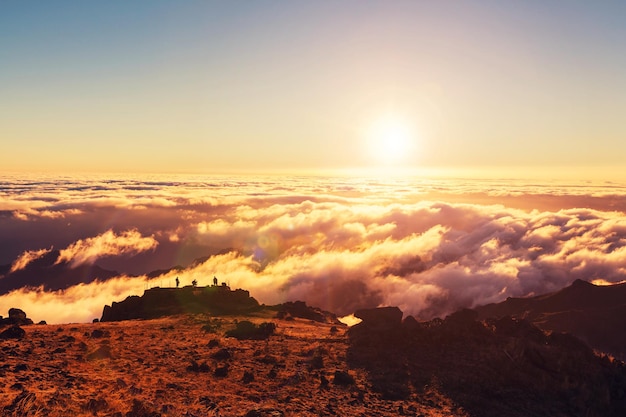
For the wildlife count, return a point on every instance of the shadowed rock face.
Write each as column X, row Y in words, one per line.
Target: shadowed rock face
column 497, row 367
column 595, row 314
column 160, row 302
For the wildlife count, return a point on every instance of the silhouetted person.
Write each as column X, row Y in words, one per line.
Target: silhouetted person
column 215, row 281
column 177, row 282
column 194, row 282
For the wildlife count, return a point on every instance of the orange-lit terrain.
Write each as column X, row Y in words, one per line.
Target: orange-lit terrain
column 193, row 351
column 145, row 368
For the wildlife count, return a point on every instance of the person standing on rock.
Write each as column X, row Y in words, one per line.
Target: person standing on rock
column 177, row 282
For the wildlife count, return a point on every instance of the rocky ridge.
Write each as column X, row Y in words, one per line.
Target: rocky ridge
column 494, row 367
column 595, row 314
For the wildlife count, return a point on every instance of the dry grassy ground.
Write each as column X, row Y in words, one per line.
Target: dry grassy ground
column 176, row 367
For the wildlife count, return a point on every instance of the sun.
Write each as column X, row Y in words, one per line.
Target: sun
column 390, row 140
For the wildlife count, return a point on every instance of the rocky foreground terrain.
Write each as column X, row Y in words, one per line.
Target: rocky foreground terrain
column 215, row 352
column 260, row 365
column 187, row 366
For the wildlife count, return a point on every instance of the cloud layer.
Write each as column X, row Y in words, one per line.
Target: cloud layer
column 427, row 246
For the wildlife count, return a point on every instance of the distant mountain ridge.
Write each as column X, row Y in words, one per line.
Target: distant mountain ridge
column 595, row 314
column 52, row 276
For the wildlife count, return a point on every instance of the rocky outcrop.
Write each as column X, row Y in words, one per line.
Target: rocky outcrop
column 497, row 367
column 160, row 302
column 595, row 314
column 380, row 317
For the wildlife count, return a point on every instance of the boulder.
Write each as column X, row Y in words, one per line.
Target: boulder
column 16, row 317
column 17, row 314
column 343, row 378
column 381, row 316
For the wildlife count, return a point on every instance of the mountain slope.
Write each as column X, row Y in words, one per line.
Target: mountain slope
column 595, row 314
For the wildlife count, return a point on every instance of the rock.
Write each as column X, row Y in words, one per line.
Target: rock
column 13, row 332
column 343, row 378
column 221, row 371
column 97, row 334
column 209, row 328
column 195, row 367
column 17, row 314
column 247, row 377
column 323, row 382
column 222, row 354
column 16, row 317
column 20, row 367
column 139, row 409
column 317, row 361
column 382, row 316
column 96, row 405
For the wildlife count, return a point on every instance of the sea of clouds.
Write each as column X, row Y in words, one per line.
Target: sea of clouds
column 429, row 246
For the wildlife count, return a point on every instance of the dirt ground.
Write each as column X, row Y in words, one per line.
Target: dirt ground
column 186, row 366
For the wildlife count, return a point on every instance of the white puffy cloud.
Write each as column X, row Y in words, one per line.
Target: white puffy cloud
column 87, row 251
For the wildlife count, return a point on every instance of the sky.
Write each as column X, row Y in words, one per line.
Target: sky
column 210, row 87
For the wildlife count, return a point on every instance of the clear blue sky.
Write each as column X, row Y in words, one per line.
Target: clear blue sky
column 202, row 86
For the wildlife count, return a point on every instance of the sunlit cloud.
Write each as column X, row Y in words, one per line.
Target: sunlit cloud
column 80, row 303
column 87, row 251
column 27, row 257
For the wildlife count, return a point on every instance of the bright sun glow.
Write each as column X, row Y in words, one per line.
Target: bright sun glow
column 390, row 140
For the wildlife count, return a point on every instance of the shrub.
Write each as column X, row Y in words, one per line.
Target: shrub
column 247, row 330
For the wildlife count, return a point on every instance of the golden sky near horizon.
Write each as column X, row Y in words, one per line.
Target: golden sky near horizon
column 204, row 87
